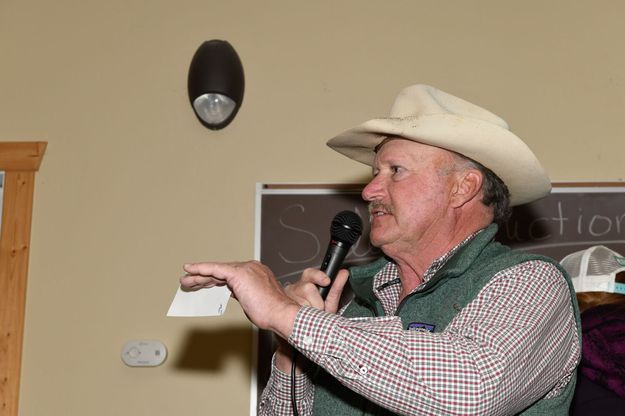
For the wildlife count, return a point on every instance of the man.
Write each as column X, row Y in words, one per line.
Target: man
column 449, row 322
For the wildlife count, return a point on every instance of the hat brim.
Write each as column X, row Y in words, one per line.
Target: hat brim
column 493, row 146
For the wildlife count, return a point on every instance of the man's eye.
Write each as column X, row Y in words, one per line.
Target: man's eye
column 396, row 169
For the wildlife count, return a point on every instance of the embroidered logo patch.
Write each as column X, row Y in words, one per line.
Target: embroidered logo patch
column 420, row 326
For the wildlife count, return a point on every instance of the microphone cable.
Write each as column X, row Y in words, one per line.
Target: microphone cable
column 293, row 370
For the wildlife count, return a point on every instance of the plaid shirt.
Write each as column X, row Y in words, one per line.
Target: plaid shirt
column 515, row 343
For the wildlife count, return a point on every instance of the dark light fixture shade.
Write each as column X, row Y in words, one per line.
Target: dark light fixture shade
column 216, row 83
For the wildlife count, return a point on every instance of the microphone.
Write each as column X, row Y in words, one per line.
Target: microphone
column 345, row 230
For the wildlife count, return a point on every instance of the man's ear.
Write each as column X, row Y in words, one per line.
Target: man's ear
column 468, row 186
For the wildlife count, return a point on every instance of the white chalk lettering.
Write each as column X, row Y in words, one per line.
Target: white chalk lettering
column 606, row 220
column 618, row 223
column 560, row 218
column 579, row 222
column 315, row 252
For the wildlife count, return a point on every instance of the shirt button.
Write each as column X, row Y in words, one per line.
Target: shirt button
column 308, row 341
column 363, row 370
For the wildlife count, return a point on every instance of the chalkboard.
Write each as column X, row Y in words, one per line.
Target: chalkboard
column 293, row 229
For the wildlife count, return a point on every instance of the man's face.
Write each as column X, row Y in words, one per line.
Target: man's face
column 409, row 195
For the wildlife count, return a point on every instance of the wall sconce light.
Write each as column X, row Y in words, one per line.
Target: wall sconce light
column 216, row 83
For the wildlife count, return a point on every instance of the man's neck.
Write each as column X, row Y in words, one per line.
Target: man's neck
column 413, row 264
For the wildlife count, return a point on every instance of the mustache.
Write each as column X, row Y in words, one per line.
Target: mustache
column 379, row 206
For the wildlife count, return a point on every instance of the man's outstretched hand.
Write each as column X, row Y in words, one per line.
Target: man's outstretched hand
column 254, row 286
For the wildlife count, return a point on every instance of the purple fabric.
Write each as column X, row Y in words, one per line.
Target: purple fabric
column 603, row 347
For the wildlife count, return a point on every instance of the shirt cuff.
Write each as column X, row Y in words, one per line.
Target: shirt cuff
column 279, row 385
column 312, row 331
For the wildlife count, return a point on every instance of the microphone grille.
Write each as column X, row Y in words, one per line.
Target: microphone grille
column 346, row 227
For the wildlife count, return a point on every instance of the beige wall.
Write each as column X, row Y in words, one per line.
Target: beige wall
column 132, row 185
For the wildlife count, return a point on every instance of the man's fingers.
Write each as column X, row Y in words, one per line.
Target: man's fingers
column 217, row 270
column 315, row 276
column 210, row 274
column 194, row 282
column 334, row 294
column 204, row 275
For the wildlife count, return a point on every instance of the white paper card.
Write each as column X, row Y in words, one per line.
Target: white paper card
column 203, row 302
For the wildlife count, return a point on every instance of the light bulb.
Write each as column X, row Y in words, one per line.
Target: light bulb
column 213, row 108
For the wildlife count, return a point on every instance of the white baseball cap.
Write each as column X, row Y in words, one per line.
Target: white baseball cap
column 595, row 270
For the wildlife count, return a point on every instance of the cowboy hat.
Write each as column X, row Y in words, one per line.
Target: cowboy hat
column 430, row 116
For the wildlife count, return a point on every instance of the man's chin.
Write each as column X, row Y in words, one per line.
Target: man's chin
column 380, row 234
column 378, row 241
column 384, row 241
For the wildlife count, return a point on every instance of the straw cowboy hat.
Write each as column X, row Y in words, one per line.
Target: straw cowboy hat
column 430, row 116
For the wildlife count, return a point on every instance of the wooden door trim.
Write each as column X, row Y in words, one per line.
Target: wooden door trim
column 19, row 161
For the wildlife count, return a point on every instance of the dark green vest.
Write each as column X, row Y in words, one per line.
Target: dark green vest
column 454, row 286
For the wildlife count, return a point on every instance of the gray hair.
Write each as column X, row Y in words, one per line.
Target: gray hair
column 495, row 193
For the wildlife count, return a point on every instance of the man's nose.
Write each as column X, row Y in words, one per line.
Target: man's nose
column 373, row 190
